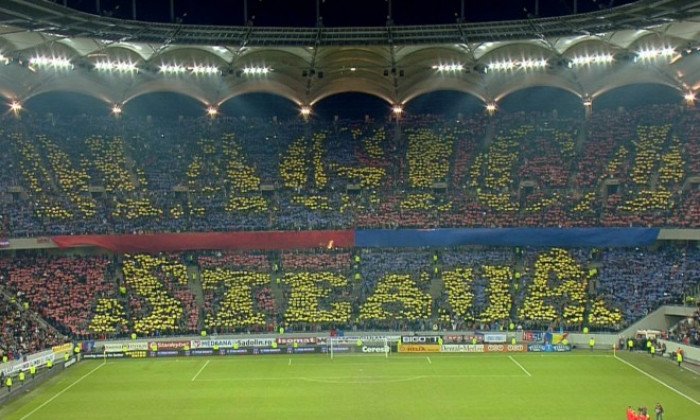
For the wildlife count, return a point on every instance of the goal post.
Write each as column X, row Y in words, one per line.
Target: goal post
column 356, row 346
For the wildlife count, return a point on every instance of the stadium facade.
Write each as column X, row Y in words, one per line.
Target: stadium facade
column 47, row 48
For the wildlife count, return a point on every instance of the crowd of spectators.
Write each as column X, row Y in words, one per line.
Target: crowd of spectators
column 524, row 169
column 641, row 280
column 60, row 289
column 20, row 333
column 557, row 291
column 158, row 297
column 230, row 300
column 465, row 287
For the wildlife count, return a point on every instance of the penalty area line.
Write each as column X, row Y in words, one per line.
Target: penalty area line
column 200, row 370
column 61, row 392
column 520, row 366
column 430, row 362
column 691, row 399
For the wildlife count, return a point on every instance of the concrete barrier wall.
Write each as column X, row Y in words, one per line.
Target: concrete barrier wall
column 661, row 319
column 690, row 353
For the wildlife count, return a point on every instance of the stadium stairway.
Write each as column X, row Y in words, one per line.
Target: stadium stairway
column 582, row 137
column 194, row 283
column 277, row 292
column 437, row 286
column 488, row 136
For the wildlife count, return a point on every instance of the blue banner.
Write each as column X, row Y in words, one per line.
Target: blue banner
column 536, row 237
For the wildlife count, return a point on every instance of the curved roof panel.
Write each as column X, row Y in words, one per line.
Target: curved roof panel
column 48, row 47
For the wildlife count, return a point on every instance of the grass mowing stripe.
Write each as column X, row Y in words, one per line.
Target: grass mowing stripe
column 659, row 381
column 62, row 391
column 353, row 377
column 200, row 370
column 520, row 366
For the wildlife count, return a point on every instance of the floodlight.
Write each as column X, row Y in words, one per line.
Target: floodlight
column 202, row 69
column 397, row 109
column 171, row 68
column 448, row 67
column 15, row 107
column 256, row 70
column 212, row 111
column 55, row 62
column 305, row 111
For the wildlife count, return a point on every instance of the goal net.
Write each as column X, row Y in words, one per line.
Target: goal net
column 339, row 346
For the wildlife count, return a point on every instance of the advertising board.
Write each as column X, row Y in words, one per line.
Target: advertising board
column 102, row 356
column 36, row 359
column 533, row 336
column 419, row 348
column 163, row 353
column 267, row 351
column 366, row 339
column 420, row 339
column 229, row 343
column 488, row 337
column 505, row 348
column 236, row 352
column 375, row 349
column 68, row 347
column 462, row 348
column 288, row 341
column 130, row 346
column 170, row 345
column 548, row 348
column 301, row 350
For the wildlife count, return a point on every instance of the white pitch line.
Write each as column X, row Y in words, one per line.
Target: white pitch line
column 61, row 393
column 520, row 366
column 200, row 370
column 429, row 361
column 690, row 370
column 691, row 399
column 290, row 362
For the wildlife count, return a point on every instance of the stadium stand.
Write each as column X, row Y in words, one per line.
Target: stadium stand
column 629, row 168
column 468, row 287
column 624, row 168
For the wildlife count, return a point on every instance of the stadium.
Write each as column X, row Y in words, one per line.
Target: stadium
column 408, row 215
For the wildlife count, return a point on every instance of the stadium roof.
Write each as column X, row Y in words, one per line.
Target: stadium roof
column 47, row 48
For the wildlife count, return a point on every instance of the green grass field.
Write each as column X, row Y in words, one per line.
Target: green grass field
column 579, row 385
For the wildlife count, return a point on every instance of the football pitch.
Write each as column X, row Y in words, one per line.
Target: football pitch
column 578, row 385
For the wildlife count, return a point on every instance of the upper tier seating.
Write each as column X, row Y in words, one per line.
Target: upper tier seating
column 96, row 176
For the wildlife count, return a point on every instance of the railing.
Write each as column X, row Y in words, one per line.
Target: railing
column 20, row 389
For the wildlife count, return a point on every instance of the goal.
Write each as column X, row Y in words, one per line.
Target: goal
column 355, row 346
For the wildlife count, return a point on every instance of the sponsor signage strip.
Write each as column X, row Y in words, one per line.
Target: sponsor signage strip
column 418, row 348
